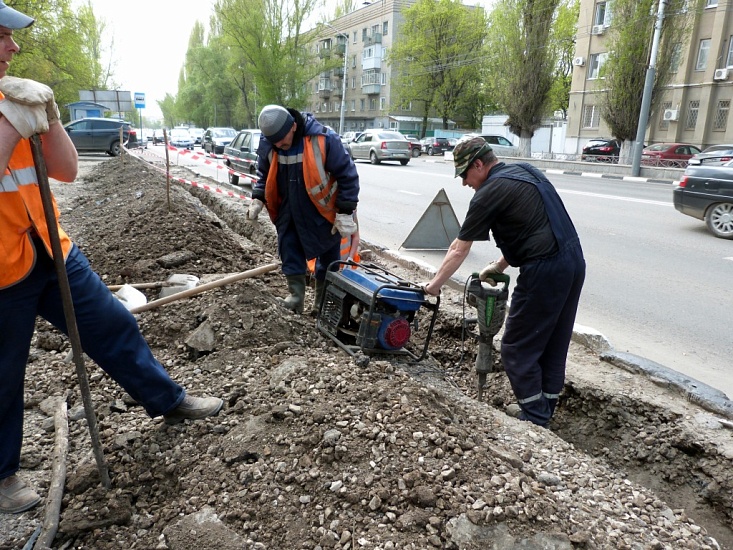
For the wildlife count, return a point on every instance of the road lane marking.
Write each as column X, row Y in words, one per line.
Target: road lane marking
column 409, row 193
column 614, row 197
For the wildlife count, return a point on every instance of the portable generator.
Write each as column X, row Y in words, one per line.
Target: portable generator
column 366, row 308
column 490, row 303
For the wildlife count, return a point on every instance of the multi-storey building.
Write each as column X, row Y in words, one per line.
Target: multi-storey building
column 360, row 41
column 694, row 107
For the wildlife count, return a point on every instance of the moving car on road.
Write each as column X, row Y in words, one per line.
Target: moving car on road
column 181, row 138
column 705, row 192
column 714, row 155
column 216, row 138
column 101, row 135
column 379, row 145
column 241, row 154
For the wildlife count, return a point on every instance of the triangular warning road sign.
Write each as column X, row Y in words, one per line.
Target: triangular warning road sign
column 437, row 227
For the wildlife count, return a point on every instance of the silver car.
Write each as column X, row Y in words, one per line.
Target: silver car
column 715, row 155
column 379, row 145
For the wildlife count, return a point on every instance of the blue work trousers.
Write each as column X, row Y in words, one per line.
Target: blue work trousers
column 294, row 258
column 538, row 330
column 109, row 335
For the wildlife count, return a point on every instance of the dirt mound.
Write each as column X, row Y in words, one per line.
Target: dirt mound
column 314, row 451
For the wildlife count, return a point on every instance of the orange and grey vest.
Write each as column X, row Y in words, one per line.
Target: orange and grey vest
column 21, row 215
column 322, row 187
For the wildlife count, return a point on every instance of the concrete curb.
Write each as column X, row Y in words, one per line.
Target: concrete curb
column 707, row 397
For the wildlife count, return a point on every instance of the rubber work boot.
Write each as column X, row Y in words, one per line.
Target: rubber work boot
column 320, row 286
column 16, row 496
column 296, row 286
column 513, row 410
column 194, row 408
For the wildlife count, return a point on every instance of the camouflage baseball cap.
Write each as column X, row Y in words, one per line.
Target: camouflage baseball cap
column 467, row 151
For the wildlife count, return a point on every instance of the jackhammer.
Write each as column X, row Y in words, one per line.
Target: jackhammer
column 490, row 303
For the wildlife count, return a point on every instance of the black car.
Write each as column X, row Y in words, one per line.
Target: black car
column 215, row 139
column 436, row 145
column 606, row 150
column 101, row 135
column 705, row 192
column 241, row 154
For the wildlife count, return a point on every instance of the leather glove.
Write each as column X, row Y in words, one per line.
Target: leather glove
column 345, row 224
column 486, row 273
column 29, row 93
column 254, row 209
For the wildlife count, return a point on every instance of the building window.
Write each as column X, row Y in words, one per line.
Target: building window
column 363, row 34
column 353, row 83
column 720, row 122
column 702, row 55
column 664, row 124
column 595, row 65
column 373, row 104
column 729, row 59
column 355, row 35
column 382, row 103
column 711, row 3
column 692, row 110
column 353, row 105
column 385, row 28
column 603, row 14
column 384, row 79
column 353, row 61
column 362, row 105
column 591, row 116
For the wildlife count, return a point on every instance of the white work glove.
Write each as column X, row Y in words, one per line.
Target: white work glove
column 345, row 224
column 491, row 269
column 28, row 105
column 254, row 209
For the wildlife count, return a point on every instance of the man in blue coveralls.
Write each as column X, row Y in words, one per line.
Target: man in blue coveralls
column 531, row 227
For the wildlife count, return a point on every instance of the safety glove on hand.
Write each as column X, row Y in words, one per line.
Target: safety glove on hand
column 26, row 104
column 254, row 209
column 486, row 273
column 345, row 225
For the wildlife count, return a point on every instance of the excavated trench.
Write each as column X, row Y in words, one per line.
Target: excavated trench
column 650, row 444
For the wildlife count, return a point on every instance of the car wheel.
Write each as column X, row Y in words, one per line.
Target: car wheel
column 115, row 149
column 233, row 179
column 430, row 151
column 415, row 152
column 404, row 162
column 719, row 219
column 373, row 158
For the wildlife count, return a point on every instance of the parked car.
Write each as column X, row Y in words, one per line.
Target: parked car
column 101, row 134
column 415, row 146
column 674, row 155
column 502, row 146
column 715, row 155
column 348, row 137
column 435, row 146
column 216, row 138
column 601, row 151
column 241, row 154
column 197, row 134
column 158, row 137
column 181, row 138
column 378, row 145
column 705, row 192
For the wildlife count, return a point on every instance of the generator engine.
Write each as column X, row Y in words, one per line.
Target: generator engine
column 366, row 308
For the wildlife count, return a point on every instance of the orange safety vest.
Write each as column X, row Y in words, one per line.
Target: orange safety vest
column 322, row 187
column 21, row 214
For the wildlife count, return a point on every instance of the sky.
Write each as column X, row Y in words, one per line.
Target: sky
column 150, row 42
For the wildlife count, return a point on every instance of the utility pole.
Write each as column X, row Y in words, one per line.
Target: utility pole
column 646, row 99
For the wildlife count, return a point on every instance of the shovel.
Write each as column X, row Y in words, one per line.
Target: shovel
column 68, row 306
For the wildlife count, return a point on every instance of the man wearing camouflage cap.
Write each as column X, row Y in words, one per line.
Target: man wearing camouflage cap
column 521, row 208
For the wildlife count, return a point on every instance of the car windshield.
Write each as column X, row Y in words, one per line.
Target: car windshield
column 391, row 135
column 180, row 134
column 224, row 132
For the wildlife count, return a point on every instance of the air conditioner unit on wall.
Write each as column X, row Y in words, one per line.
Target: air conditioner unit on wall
column 597, row 29
column 579, row 61
column 720, row 74
column 671, row 114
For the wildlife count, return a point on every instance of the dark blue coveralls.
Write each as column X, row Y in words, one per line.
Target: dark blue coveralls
column 303, row 233
column 544, row 303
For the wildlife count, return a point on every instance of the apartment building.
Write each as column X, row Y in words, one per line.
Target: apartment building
column 360, row 41
column 695, row 106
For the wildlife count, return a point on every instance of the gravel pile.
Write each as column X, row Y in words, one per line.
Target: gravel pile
column 315, row 451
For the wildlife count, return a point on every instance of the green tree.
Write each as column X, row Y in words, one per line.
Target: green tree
column 268, row 45
column 522, row 63
column 563, row 41
column 624, row 72
column 437, row 57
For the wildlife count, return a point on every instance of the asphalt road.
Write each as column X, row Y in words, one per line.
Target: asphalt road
column 658, row 284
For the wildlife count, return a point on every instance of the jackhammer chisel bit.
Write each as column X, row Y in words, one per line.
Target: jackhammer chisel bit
column 490, row 303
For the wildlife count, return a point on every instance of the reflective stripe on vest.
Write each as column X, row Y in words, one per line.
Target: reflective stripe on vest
column 322, row 187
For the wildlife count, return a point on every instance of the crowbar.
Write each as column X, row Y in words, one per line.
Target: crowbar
column 68, row 305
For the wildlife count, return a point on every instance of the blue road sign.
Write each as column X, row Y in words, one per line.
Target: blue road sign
column 139, row 100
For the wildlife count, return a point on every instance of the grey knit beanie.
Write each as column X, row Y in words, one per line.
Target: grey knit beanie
column 275, row 122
